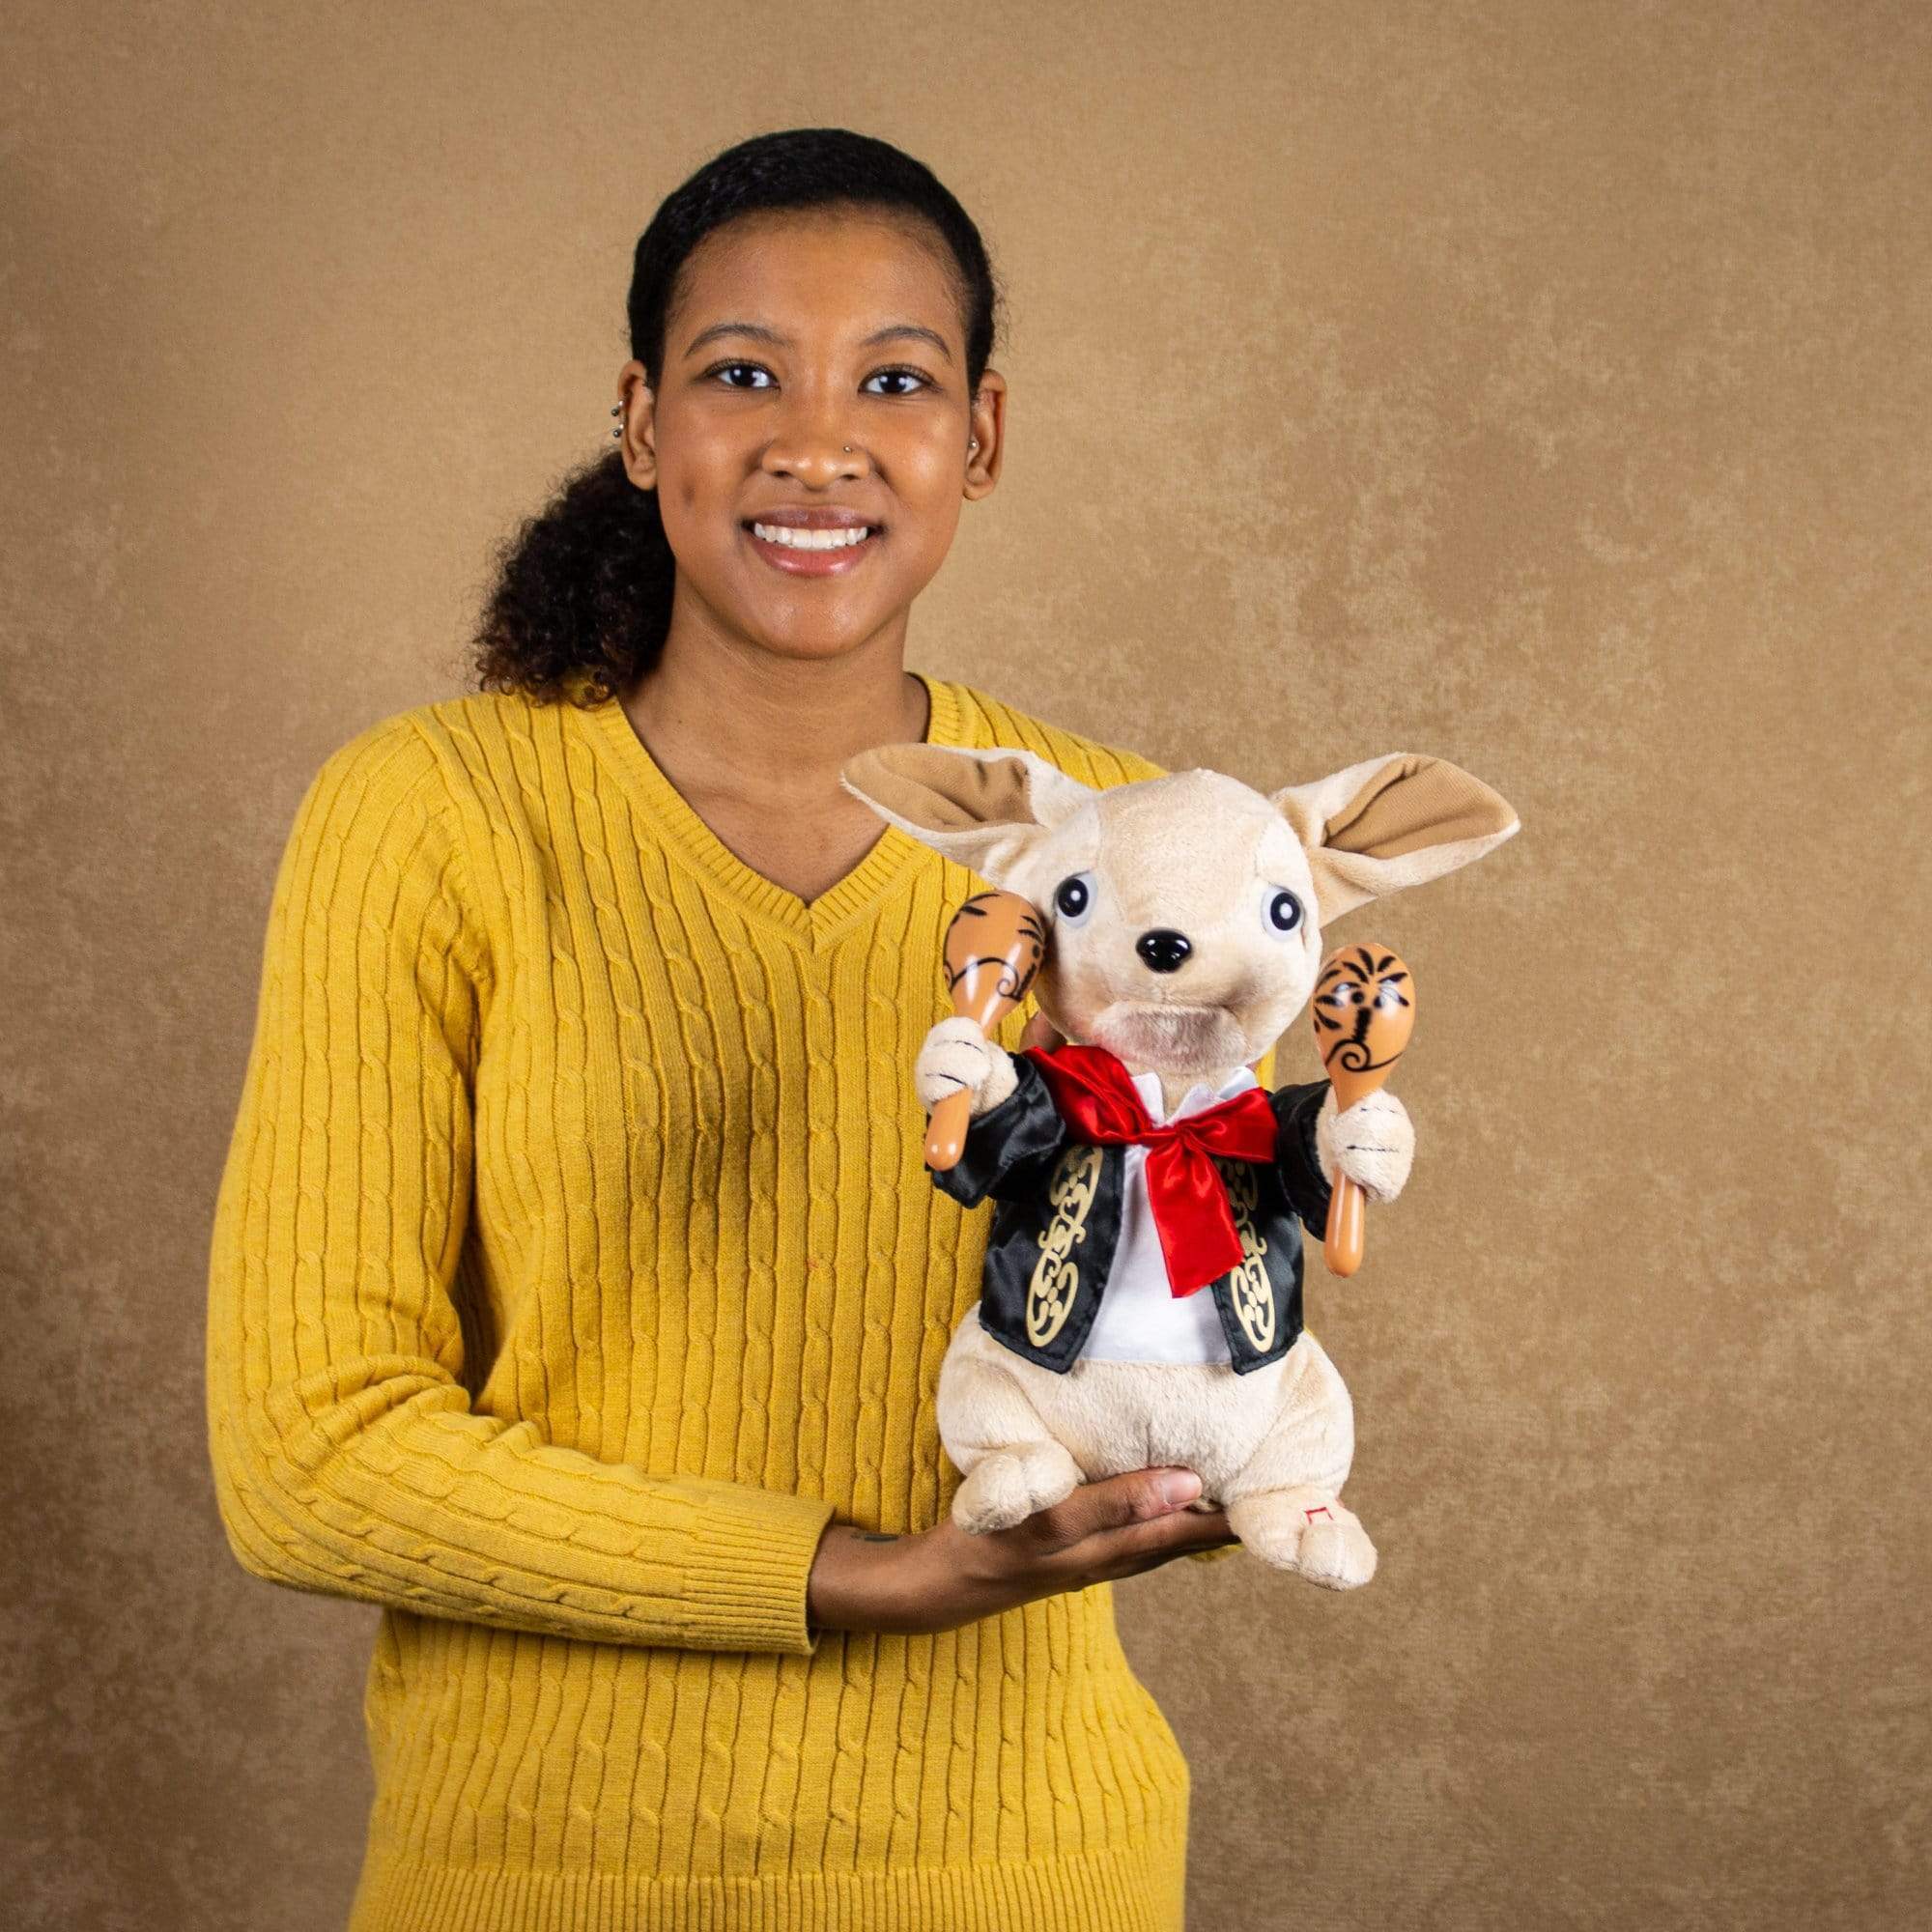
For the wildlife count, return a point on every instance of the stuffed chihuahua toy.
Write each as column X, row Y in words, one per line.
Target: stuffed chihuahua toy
column 1142, row 1298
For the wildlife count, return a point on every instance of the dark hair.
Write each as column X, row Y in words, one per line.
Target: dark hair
column 582, row 592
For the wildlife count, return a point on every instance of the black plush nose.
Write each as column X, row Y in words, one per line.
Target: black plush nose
column 1163, row 949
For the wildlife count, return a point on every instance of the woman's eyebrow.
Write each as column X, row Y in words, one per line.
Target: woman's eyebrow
column 760, row 333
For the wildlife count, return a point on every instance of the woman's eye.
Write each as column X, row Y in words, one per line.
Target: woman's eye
column 727, row 371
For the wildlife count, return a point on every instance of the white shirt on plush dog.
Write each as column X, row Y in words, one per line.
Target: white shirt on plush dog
column 1141, row 1317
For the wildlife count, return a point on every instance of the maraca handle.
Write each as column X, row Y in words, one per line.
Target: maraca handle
column 993, row 949
column 946, row 1127
column 1364, row 1011
column 946, row 1132
column 1342, row 1240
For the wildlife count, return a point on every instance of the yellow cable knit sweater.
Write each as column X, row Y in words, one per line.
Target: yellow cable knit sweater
column 574, row 1264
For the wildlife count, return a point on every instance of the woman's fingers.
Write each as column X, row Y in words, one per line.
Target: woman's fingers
column 1140, row 1496
column 1129, row 1522
column 1151, row 1545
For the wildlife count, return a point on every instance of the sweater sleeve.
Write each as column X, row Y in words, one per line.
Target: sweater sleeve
column 347, row 1458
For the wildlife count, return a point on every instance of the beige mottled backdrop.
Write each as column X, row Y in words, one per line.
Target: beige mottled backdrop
column 1542, row 386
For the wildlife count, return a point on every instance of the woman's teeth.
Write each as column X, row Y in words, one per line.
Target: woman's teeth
column 797, row 539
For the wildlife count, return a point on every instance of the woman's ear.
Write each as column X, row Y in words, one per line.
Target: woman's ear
column 1372, row 827
column 988, row 427
column 636, row 423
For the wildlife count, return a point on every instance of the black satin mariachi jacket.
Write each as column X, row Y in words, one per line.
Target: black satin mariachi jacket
column 1058, row 1222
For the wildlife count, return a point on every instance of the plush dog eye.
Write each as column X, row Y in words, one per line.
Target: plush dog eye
column 1073, row 898
column 1281, row 912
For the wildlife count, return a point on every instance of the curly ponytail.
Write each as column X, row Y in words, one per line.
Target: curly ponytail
column 582, row 598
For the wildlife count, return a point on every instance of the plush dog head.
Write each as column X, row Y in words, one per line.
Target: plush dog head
column 1184, row 914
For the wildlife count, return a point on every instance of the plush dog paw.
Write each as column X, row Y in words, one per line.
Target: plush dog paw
column 1010, row 1485
column 1313, row 1536
column 1338, row 1555
column 1373, row 1143
column 956, row 1054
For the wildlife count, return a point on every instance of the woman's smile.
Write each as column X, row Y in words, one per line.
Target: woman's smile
column 812, row 552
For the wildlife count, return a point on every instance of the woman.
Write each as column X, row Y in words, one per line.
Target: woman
column 577, row 1291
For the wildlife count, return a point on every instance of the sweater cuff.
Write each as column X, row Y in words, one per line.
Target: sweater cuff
column 751, row 1591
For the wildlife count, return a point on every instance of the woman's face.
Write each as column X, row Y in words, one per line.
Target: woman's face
column 791, row 335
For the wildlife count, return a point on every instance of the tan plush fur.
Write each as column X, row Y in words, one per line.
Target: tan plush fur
column 1268, row 1447
column 1203, row 855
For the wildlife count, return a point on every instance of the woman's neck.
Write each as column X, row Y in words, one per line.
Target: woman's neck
column 768, row 730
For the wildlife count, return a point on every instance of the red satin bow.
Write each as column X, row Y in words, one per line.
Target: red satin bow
column 1097, row 1099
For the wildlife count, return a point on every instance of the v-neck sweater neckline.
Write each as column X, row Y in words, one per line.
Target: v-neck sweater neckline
column 814, row 925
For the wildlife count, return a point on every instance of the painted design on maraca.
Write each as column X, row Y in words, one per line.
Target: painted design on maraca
column 1363, row 1011
column 994, row 947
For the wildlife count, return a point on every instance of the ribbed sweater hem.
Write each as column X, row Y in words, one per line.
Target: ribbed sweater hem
column 1121, row 1889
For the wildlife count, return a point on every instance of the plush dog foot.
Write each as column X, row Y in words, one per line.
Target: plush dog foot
column 1337, row 1554
column 1267, row 1528
column 1010, row 1485
column 1312, row 1535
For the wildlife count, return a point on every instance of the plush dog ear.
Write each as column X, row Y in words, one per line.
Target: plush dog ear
column 984, row 809
column 1374, row 827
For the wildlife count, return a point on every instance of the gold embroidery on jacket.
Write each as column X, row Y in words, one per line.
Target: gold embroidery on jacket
column 1054, row 1279
column 1254, row 1299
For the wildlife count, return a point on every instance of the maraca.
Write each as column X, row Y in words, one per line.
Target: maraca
column 1364, row 1011
column 993, row 949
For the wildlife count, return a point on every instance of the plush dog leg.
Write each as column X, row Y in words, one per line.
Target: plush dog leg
column 1307, row 1530
column 1285, row 1504
column 1012, row 1484
column 995, row 1436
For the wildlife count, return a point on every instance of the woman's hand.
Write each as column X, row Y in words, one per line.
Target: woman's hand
column 939, row 1578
